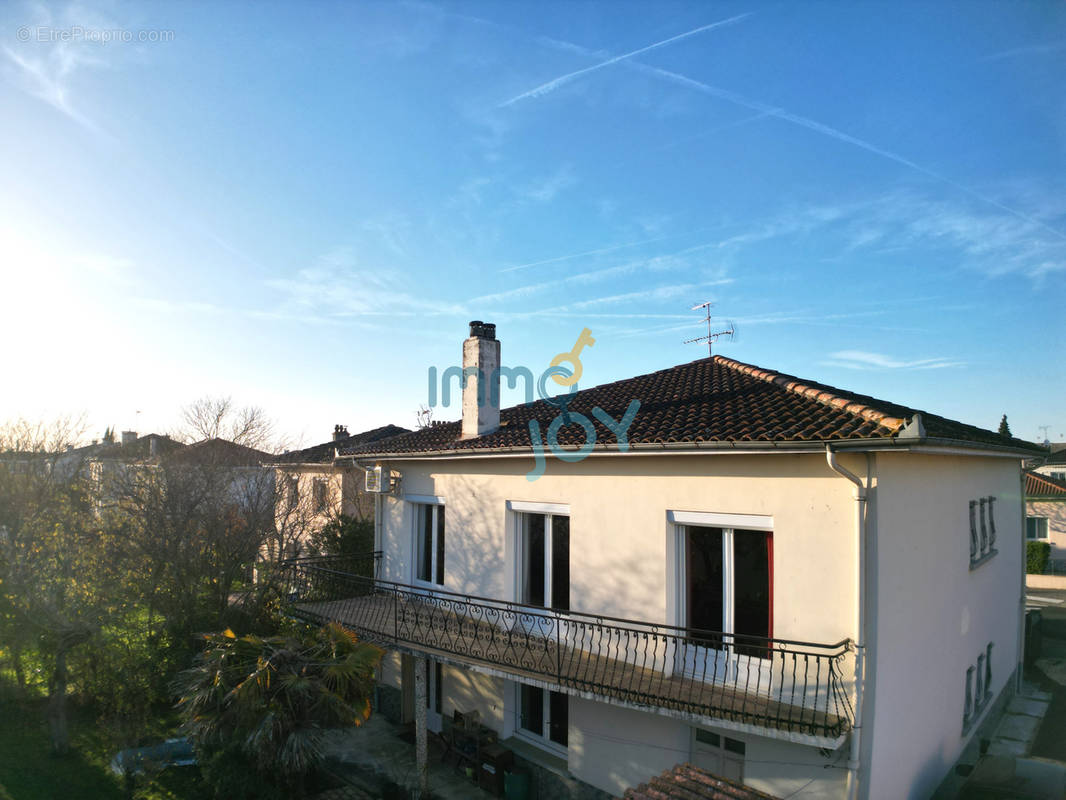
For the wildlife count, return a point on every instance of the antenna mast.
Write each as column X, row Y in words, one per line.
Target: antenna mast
column 712, row 336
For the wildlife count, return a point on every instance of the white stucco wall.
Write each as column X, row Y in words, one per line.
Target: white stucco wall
column 614, row 748
column 619, row 534
column 930, row 616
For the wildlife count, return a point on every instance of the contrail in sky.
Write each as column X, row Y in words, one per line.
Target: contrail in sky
column 555, row 83
column 598, row 251
column 840, row 136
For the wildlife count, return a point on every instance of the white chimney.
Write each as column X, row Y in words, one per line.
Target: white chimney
column 481, row 380
column 128, row 437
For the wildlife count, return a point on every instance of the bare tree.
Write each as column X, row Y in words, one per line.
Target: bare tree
column 423, row 417
column 220, row 418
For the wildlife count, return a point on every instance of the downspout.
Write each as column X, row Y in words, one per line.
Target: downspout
column 1023, row 601
column 855, row 754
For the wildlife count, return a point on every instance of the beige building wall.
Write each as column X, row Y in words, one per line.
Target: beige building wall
column 344, row 495
column 930, row 615
column 937, row 614
column 620, row 534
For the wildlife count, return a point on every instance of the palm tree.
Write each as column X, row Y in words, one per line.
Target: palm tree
column 271, row 699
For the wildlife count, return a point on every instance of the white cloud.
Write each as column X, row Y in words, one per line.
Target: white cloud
column 862, row 359
column 337, row 286
column 545, row 189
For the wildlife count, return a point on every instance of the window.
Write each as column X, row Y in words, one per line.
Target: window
column 1036, row 528
column 1059, row 476
column 544, row 560
column 429, row 543
column 729, row 585
column 968, row 709
column 319, row 495
column 543, row 716
column 978, row 688
column 982, row 530
column 292, row 491
column 434, row 694
column 719, row 755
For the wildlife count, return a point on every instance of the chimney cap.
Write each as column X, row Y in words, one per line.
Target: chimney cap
column 482, row 330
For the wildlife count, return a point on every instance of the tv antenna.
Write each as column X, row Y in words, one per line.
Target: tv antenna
column 1043, row 429
column 712, row 335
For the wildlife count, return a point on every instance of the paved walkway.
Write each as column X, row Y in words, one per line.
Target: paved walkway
column 374, row 755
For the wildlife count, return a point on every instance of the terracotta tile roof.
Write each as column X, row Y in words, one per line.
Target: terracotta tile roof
column 1037, row 485
column 711, row 400
column 686, row 782
column 323, row 453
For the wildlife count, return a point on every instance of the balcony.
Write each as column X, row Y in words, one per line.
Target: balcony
column 792, row 690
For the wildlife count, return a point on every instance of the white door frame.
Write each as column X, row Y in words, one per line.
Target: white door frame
column 436, row 503
column 725, row 664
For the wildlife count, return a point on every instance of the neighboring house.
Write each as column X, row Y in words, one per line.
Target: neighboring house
column 106, row 461
column 759, row 570
column 1045, row 512
column 1052, row 464
column 315, row 485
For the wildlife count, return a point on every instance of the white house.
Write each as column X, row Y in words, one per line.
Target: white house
column 817, row 593
column 1045, row 512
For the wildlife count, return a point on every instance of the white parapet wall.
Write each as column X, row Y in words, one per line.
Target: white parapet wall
column 1045, row 581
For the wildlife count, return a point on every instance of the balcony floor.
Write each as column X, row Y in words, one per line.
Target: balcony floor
column 425, row 629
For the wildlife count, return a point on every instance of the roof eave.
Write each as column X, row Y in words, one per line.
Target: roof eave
column 897, row 443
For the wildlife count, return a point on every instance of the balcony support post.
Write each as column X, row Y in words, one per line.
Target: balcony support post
column 421, row 754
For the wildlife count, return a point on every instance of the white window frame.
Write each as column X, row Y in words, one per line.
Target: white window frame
column 517, row 509
column 1047, row 528
column 721, row 751
column 543, row 741
column 675, row 555
column 434, row 502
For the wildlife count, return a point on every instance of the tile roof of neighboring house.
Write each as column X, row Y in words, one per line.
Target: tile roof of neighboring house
column 686, row 782
column 711, row 401
column 323, row 453
column 1044, row 486
column 221, row 452
column 1056, row 457
column 139, row 448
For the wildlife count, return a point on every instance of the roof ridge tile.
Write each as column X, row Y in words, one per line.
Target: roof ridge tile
column 819, row 394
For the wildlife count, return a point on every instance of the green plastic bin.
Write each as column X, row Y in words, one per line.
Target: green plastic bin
column 516, row 785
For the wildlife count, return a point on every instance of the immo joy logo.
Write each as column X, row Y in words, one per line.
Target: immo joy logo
column 561, row 375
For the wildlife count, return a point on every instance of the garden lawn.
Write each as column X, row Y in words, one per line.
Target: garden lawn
column 28, row 770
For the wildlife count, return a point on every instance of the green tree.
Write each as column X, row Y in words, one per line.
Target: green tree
column 267, row 701
column 57, row 578
column 344, row 536
column 1004, row 428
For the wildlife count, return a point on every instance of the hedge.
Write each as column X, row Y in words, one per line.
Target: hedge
column 1036, row 557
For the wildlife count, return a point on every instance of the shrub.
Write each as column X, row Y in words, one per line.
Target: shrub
column 1036, row 557
column 345, row 536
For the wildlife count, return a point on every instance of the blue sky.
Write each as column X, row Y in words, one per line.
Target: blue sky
column 303, row 205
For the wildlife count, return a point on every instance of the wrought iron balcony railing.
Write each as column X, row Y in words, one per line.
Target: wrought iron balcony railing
column 801, row 688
